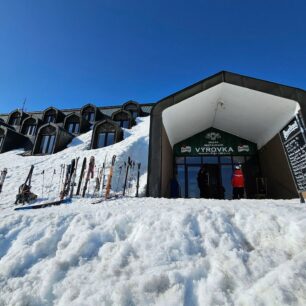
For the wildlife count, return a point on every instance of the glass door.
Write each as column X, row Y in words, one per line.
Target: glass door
column 193, row 190
column 226, row 174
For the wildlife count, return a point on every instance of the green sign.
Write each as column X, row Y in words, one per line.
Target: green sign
column 214, row 142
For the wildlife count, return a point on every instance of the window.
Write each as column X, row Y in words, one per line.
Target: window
column 89, row 116
column 73, row 127
column 123, row 123
column 134, row 114
column 47, row 144
column 15, row 120
column 105, row 139
column 30, row 130
column 49, row 118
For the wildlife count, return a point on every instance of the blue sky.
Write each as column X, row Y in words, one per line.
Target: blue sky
column 66, row 53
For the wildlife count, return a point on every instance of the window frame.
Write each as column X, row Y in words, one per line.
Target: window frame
column 75, row 127
column 106, row 139
column 46, row 145
column 15, row 120
column 30, row 129
column 48, row 120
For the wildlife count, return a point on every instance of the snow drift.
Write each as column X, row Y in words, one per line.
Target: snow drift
column 145, row 251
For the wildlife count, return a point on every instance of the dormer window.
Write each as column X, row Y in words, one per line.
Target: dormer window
column 89, row 116
column 134, row 114
column 47, row 144
column 122, row 118
column 15, row 119
column 124, row 123
column 49, row 118
column 105, row 139
column 30, row 130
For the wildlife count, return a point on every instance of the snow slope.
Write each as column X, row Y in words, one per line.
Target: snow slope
column 145, row 251
column 135, row 145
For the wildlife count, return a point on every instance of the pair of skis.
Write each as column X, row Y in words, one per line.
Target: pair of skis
column 130, row 167
column 89, row 175
column 109, row 180
column 69, row 181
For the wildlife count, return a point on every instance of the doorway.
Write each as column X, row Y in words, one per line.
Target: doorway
column 212, row 174
column 219, row 170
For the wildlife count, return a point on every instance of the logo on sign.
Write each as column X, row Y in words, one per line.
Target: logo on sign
column 292, row 127
column 186, row 149
column 243, row 148
column 213, row 136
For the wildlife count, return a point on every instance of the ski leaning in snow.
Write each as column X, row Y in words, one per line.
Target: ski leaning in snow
column 128, row 165
column 119, row 178
column 98, row 182
column 2, row 178
column 90, row 174
column 61, row 177
column 66, row 185
column 110, row 176
column 137, row 184
column 73, row 177
column 81, row 176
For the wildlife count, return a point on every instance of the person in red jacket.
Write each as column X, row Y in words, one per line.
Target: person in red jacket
column 238, row 183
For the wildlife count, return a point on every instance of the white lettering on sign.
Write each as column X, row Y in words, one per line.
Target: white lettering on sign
column 292, row 127
column 214, row 150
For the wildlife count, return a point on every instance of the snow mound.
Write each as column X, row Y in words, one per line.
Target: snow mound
column 155, row 252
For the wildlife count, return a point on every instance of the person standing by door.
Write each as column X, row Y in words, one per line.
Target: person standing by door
column 203, row 182
column 238, row 183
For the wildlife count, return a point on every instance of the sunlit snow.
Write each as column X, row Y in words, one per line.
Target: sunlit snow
column 145, row 251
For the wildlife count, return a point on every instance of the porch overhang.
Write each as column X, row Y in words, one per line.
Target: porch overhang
column 247, row 113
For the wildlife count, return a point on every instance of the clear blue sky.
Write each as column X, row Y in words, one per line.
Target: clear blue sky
column 66, row 53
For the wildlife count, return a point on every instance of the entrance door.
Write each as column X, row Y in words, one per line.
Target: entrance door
column 213, row 189
column 226, row 174
column 214, row 181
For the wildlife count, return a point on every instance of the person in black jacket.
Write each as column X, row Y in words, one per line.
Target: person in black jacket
column 203, row 182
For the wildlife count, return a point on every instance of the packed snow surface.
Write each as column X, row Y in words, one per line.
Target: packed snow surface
column 155, row 252
column 144, row 251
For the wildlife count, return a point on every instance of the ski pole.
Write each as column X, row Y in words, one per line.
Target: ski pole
column 43, row 183
column 60, row 178
column 54, row 172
